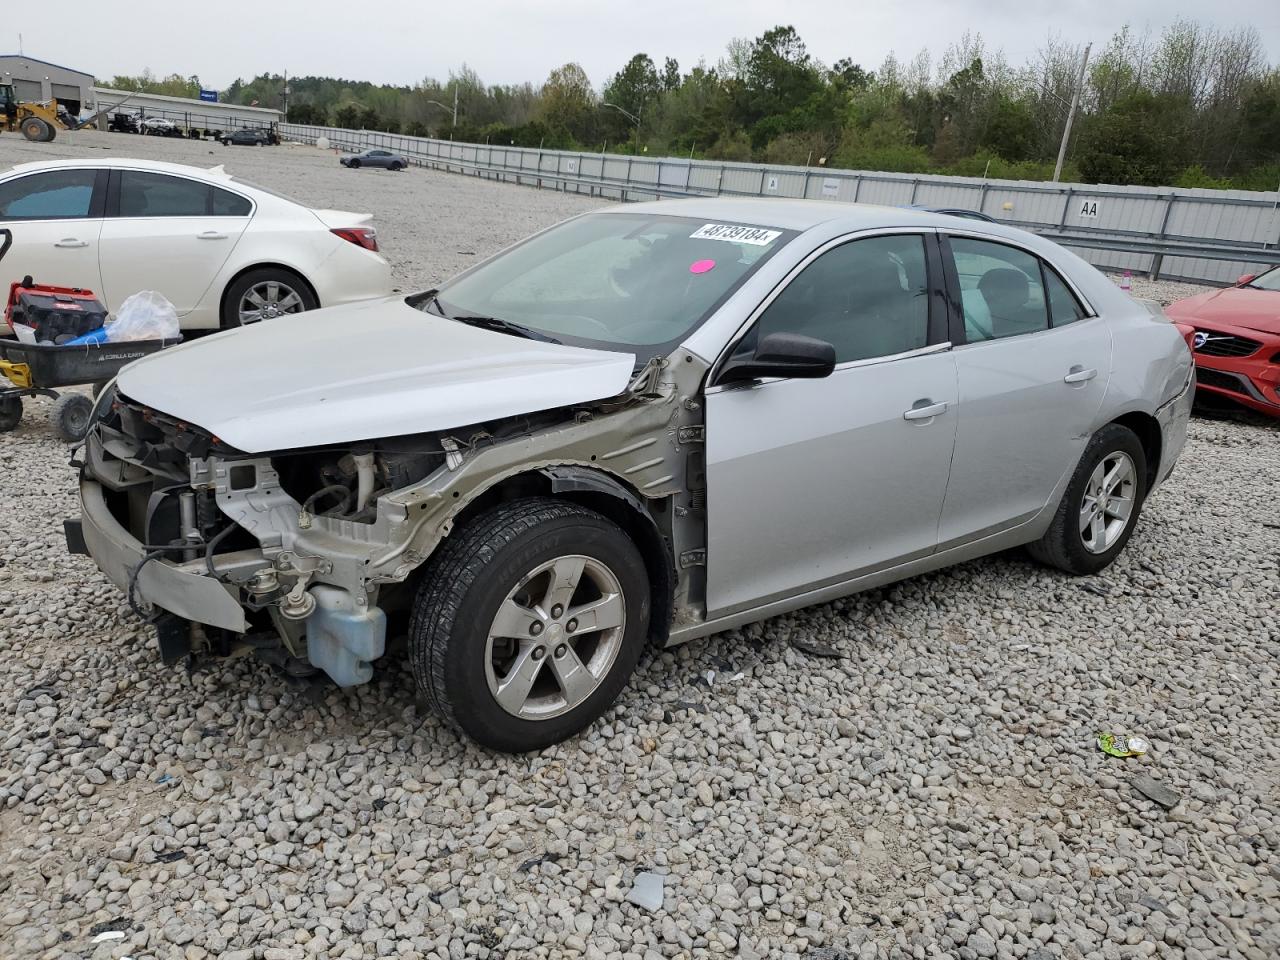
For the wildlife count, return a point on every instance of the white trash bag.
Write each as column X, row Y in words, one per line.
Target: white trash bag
column 144, row 316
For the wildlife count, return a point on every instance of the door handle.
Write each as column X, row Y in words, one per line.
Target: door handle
column 211, row 235
column 1079, row 374
column 926, row 412
column 71, row 243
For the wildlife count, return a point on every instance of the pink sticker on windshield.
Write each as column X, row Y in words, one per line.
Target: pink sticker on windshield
column 701, row 266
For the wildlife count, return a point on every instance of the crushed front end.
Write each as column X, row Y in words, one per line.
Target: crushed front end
column 305, row 557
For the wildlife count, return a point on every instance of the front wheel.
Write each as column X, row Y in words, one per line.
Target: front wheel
column 397, row 165
column 529, row 623
column 1100, row 507
column 265, row 294
column 353, row 165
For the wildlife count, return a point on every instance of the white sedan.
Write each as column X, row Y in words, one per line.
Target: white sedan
column 224, row 252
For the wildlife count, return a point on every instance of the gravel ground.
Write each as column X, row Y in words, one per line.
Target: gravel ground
column 935, row 793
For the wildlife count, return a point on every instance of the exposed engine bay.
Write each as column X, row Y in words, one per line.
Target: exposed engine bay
column 318, row 547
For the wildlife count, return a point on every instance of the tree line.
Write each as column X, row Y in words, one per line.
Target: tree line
column 1196, row 105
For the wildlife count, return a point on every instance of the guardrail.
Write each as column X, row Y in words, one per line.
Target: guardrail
column 1199, row 235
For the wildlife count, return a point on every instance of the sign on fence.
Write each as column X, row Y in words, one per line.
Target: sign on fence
column 1089, row 208
column 209, row 96
column 830, row 187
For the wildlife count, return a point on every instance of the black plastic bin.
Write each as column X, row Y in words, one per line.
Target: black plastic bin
column 38, row 368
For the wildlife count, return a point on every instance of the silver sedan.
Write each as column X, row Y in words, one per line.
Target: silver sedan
column 646, row 424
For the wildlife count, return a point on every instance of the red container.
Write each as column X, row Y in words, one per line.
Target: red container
column 54, row 312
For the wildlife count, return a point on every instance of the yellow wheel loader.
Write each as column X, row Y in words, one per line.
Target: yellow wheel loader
column 38, row 122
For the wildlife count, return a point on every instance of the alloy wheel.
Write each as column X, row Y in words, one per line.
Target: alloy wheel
column 1108, row 502
column 555, row 637
column 267, row 300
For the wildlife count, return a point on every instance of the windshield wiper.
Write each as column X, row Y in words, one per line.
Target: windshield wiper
column 505, row 326
column 429, row 301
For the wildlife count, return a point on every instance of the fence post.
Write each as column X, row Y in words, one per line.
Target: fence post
column 1157, row 261
column 804, row 192
column 857, row 186
column 982, row 199
column 760, row 188
column 659, row 179
column 720, row 180
column 1066, row 205
column 915, row 185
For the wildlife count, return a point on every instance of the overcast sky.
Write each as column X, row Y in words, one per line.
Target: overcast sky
column 511, row 41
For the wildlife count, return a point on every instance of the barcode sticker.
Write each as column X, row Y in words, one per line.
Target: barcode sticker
column 756, row 236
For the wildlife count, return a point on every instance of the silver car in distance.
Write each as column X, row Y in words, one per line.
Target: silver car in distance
column 644, row 425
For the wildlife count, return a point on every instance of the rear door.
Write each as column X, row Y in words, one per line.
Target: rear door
column 1033, row 365
column 167, row 233
column 56, row 219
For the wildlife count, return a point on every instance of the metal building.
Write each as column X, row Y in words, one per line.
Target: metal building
column 40, row 80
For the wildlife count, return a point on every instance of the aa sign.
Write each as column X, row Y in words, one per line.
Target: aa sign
column 1089, row 208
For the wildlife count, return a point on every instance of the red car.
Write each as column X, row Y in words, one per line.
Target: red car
column 1234, row 336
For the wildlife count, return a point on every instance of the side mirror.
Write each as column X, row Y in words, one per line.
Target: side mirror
column 1245, row 278
column 782, row 355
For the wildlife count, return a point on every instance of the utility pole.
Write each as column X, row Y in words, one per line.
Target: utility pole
column 1071, row 115
column 286, row 96
column 455, row 104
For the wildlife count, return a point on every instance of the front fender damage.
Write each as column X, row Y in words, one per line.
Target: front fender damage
column 323, row 574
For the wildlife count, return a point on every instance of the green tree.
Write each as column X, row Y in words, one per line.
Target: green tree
column 568, row 103
column 1133, row 142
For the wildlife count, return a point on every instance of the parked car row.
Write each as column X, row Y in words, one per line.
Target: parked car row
column 647, row 424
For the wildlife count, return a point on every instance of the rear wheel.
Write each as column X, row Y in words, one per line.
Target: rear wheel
column 396, row 165
column 1100, row 507
column 529, row 623
column 70, row 416
column 265, row 294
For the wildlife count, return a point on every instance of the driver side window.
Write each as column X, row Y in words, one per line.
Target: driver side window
column 867, row 298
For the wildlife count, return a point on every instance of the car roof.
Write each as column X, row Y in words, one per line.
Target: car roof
column 205, row 173
column 788, row 214
column 834, row 216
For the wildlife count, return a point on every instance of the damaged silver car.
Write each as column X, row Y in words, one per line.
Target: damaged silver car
column 644, row 425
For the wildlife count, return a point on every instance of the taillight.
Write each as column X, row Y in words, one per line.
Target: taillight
column 366, row 237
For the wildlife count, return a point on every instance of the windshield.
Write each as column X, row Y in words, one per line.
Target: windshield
column 620, row 280
column 1267, row 281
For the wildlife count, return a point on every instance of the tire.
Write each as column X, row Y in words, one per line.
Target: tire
column 396, row 166
column 353, row 165
column 235, row 306
column 1067, row 544
column 70, row 416
column 10, row 413
column 461, row 658
column 36, row 130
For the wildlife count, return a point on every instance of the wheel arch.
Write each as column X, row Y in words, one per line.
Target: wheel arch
column 610, row 497
column 264, row 265
column 1147, row 428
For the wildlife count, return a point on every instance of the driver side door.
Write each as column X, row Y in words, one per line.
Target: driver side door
column 814, row 482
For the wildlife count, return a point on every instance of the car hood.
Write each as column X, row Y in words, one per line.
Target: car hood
column 375, row 369
column 1237, row 306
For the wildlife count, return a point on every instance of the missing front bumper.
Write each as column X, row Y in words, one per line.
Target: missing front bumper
column 171, row 587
